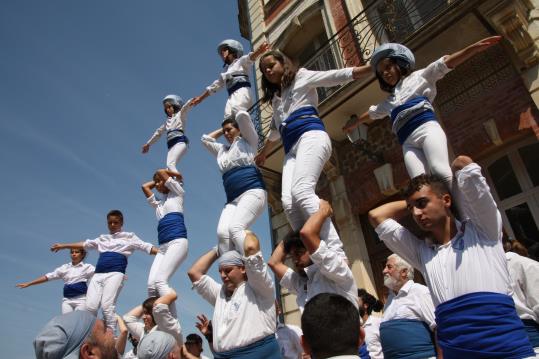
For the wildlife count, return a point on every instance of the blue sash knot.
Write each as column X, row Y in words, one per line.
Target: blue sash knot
column 532, row 328
column 266, row 348
column 174, row 137
column 363, row 352
column 406, row 338
column 75, row 289
column 407, row 117
column 241, row 179
column 170, row 227
column 111, row 262
column 481, row 325
column 300, row 121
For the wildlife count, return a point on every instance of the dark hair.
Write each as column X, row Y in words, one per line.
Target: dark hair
column 230, row 120
column 134, row 342
column 404, row 69
column 116, row 213
column 292, row 241
column 148, row 305
column 82, row 251
column 174, row 106
column 436, row 183
column 518, row 248
column 372, row 303
column 193, row 338
column 268, row 89
column 330, row 325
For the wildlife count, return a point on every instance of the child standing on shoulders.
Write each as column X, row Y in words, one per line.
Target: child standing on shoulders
column 75, row 275
column 113, row 248
column 174, row 127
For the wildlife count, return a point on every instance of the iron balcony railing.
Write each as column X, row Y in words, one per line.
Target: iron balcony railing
column 381, row 21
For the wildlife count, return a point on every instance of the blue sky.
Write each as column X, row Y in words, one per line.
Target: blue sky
column 81, row 89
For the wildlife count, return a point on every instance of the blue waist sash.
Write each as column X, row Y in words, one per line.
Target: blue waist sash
column 75, row 289
column 236, row 86
column 363, row 352
column 266, row 348
column 481, row 325
column 406, row 338
column 170, row 227
column 241, row 179
column 532, row 328
column 111, row 262
column 300, row 121
column 174, row 137
column 407, row 117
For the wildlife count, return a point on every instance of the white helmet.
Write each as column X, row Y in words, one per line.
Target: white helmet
column 233, row 44
column 174, row 99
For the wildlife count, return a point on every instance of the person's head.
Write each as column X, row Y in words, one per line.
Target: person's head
column 231, row 129
column 193, row 343
column 368, row 303
column 232, row 271
column 229, row 50
column 429, row 201
column 277, row 72
column 294, row 247
column 77, row 255
column 397, row 272
column 75, row 335
column 147, row 313
column 391, row 62
column 160, row 183
column 330, row 326
column 158, row 345
column 115, row 221
column 172, row 104
column 513, row 245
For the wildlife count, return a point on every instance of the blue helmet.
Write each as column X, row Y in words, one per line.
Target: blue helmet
column 233, row 44
column 174, row 100
column 402, row 55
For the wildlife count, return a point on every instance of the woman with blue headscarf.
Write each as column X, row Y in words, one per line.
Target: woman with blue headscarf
column 409, row 104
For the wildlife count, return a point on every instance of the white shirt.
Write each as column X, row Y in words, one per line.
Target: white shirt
column 329, row 273
column 289, row 339
column 69, row 273
column 171, row 202
column 176, row 122
column 120, row 242
column 241, row 152
column 164, row 321
column 249, row 314
column 372, row 337
column 418, row 83
column 413, row 301
column 302, row 93
column 473, row 261
column 524, row 273
column 129, row 355
column 240, row 66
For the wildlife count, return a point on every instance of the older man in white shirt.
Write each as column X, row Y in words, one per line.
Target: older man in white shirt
column 463, row 263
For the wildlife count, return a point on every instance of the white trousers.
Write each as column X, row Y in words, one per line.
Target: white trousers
column 174, row 155
column 301, row 171
column 240, row 99
column 425, row 151
column 72, row 304
column 170, row 256
column 237, row 216
column 103, row 292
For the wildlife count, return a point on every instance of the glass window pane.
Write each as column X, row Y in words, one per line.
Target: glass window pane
column 530, row 157
column 504, row 179
column 524, row 227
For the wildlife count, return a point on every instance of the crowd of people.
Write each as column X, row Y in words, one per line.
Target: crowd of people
column 478, row 302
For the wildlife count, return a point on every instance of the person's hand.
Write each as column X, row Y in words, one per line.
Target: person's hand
column 260, row 159
column 487, row 42
column 197, row 100
column 203, row 325
column 56, row 247
column 350, row 124
column 325, row 207
column 23, row 285
column 145, row 148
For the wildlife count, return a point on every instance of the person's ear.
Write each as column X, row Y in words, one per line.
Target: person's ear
column 305, row 345
column 87, row 351
column 447, row 200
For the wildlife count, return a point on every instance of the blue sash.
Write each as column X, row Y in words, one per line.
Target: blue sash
column 403, row 126
column 532, row 328
column 111, row 262
column 170, row 227
column 406, row 338
column 266, row 348
column 75, row 289
column 363, row 352
column 241, row 179
column 174, row 137
column 300, row 121
column 237, row 86
column 481, row 325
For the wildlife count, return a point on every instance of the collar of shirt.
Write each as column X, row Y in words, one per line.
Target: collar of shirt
column 80, row 264
column 405, row 288
column 311, row 271
column 460, row 232
column 233, row 293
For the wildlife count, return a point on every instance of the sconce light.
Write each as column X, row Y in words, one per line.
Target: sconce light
column 358, row 133
column 492, row 132
column 358, row 137
column 384, row 178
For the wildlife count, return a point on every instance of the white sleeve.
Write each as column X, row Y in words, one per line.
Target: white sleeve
column 134, row 325
column 211, row 144
column 208, row 288
column 216, row 85
column 528, row 281
column 137, row 243
column 166, row 322
column 325, row 78
column 258, row 276
column 58, row 273
column 247, row 129
column 400, row 241
column 273, row 134
column 246, row 62
column 379, row 111
column 156, row 135
column 426, row 308
column 174, row 186
column 91, row 243
column 89, row 271
column 291, row 281
column 152, row 201
column 435, row 70
column 333, row 266
column 477, row 202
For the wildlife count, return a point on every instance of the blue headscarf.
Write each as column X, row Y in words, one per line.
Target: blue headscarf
column 400, row 53
column 156, row 345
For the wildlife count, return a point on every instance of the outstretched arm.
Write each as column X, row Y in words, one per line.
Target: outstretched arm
column 200, row 98
column 310, row 233
column 356, row 121
column 261, row 49
column 360, row 71
column 202, row 265
column 59, row 246
column 39, row 280
column 276, row 261
column 395, row 210
column 147, row 188
column 461, row 56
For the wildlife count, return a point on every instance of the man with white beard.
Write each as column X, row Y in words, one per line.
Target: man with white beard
column 408, row 324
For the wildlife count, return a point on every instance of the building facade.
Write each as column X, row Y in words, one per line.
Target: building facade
column 487, row 107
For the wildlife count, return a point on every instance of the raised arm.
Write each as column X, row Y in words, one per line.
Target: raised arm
column 261, row 49
column 395, row 210
column 461, row 56
column 247, row 129
column 202, row 265
column 39, row 280
column 310, row 233
column 168, row 298
column 59, row 246
column 147, row 188
column 165, row 173
column 122, row 338
column 355, row 121
column 156, row 135
column 257, row 272
column 132, row 321
column 210, row 141
column 276, row 261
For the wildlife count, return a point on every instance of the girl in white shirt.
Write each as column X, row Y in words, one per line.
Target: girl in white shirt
column 75, row 275
column 409, row 104
column 244, row 186
column 174, row 127
column 307, row 146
